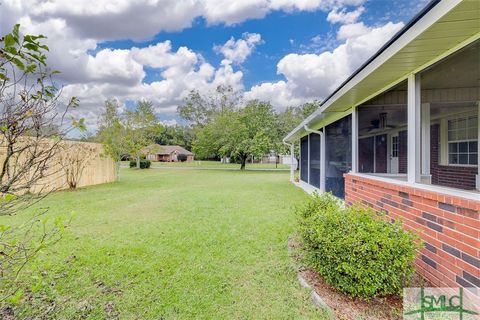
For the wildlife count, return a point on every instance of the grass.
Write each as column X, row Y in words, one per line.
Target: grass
column 173, row 244
column 201, row 164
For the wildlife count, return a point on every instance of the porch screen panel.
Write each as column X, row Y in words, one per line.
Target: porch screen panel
column 315, row 160
column 338, row 155
column 304, row 159
column 366, row 154
column 451, row 120
column 381, row 157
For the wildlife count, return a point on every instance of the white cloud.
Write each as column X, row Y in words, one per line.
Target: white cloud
column 278, row 93
column 353, row 30
column 169, row 123
column 142, row 19
column 74, row 29
column 237, row 51
column 314, row 76
column 338, row 15
column 114, row 66
column 160, row 55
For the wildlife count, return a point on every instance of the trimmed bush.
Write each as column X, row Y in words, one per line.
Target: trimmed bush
column 144, row 163
column 182, row 157
column 354, row 249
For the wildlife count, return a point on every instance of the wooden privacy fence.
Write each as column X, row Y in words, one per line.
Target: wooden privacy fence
column 73, row 162
column 96, row 167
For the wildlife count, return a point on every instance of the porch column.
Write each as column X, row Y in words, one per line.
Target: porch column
column 478, row 143
column 292, row 163
column 322, row 160
column 354, row 140
column 425, row 146
column 414, row 129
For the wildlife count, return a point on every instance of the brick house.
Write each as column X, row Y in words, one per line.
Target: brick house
column 168, row 153
column 401, row 135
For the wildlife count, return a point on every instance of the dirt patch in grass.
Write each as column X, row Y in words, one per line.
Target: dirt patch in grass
column 346, row 307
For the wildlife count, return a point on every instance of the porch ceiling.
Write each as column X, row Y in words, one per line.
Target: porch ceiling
column 439, row 32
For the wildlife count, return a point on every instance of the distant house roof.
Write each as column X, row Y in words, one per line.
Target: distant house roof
column 158, row 149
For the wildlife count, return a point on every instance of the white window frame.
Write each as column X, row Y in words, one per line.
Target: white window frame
column 445, row 142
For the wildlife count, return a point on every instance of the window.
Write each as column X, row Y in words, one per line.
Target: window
column 338, row 155
column 463, row 140
column 395, row 146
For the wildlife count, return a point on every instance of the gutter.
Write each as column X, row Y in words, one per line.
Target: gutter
column 322, row 155
column 292, row 156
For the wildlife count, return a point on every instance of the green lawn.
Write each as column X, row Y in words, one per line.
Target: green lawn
column 173, row 244
column 200, row 164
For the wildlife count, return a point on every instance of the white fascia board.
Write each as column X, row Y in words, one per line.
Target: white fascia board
column 420, row 26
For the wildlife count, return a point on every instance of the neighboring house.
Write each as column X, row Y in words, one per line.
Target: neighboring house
column 168, row 153
column 401, row 136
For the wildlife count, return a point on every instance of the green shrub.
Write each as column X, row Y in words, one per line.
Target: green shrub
column 182, row 157
column 355, row 250
column 144, row 163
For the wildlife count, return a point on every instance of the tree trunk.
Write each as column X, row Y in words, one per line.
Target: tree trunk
column 138, row 162
column 243, row 161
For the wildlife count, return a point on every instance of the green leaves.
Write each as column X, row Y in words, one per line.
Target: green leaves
column 79, row 124
column 26, row 54
column 9, row 40
column 355, row 250
column 74, row 102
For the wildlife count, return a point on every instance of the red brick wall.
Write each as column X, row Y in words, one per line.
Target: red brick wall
column 449, row 226
column 450, row 176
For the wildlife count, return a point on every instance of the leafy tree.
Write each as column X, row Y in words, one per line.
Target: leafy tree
column 141, row 127
column 112, row 133
column 200, row 109
column 32, row 126
column 306, row 109
column 288, row 120
column 239, row 133
column 176, row 135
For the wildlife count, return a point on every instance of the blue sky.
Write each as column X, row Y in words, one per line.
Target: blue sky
column 282, row 33
column 284, row 51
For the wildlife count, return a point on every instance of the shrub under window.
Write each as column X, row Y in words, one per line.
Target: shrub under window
column 355, row 250
column 182, row 157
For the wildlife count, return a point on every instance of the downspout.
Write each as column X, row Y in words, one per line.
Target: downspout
column 292, row 157
column 322, row 156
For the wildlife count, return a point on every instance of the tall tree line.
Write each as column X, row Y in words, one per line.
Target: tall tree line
column 219, row 124
column 224, row 125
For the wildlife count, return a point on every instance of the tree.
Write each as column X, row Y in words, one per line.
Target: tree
column 200, row 109
column 176, row 135
column 73, row 158
column 32, row 126
column 112, row 133
column 141, row 126
column 239, row 133
column 288, row 120
column 306, row 109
